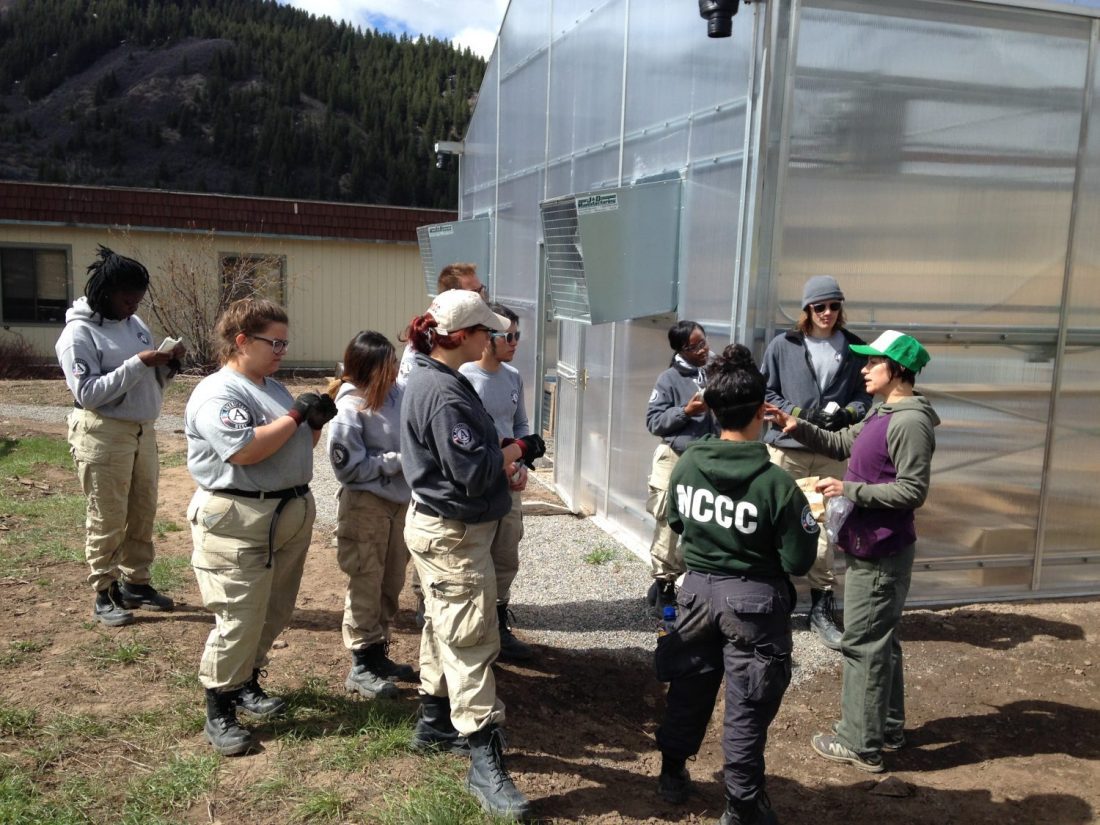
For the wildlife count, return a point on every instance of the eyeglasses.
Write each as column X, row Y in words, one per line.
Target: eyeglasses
column 481, row 290
column 278, row 345
column 832, row 307
column 699, row 347
column 480, row 328
column 510, row 337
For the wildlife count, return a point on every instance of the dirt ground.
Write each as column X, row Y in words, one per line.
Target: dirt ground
column 1004, row 703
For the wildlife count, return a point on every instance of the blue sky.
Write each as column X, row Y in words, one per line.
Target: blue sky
column 466, row 23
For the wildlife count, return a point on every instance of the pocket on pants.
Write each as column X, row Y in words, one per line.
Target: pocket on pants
column 458, row 612
column 357, row 558
column 768, row 677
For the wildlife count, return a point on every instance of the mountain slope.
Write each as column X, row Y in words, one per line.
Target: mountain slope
column 240, row 96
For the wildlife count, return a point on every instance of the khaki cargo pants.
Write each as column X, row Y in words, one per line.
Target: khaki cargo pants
column 461, row 638
column 370, row 549
column 251, row 602
column 116, row 464
column 505, row 552
column 803, row 464
column 665, row 559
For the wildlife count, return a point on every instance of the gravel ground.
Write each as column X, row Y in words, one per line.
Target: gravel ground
column 559, row 599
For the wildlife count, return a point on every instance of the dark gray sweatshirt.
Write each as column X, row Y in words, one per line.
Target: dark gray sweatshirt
column 449, row 446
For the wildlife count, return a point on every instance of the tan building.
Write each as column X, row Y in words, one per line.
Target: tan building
column 337, row 267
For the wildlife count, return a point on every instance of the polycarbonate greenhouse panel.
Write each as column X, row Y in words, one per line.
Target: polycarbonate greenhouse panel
column 456, row 241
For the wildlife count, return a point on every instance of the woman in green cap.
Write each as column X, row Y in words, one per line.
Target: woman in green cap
column 890, row 461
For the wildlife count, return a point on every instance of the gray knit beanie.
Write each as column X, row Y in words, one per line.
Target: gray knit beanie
column 821, row 288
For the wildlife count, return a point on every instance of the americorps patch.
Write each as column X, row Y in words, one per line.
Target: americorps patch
column 339, row 455
column 461, row 435
column 80, row 367
column 143, row 337
column 235, row 415
column 809, row 523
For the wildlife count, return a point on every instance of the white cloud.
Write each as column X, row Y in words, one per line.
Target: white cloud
column 466, row 23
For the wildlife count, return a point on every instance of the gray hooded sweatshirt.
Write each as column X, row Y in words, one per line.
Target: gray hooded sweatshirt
column 99, row 359
column 365, row 445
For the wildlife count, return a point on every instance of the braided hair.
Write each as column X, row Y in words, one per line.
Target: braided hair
column 111, row 273
column 735, row 387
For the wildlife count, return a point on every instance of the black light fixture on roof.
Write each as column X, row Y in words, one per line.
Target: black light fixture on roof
column 719, row 16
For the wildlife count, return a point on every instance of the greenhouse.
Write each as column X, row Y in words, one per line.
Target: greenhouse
column 941, row 159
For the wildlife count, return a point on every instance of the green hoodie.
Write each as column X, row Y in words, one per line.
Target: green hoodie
column 737, row 513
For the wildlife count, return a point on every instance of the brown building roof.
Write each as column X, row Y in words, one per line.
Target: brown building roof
column 42, row 203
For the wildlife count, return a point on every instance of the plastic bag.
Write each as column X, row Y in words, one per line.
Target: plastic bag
column 837, row 510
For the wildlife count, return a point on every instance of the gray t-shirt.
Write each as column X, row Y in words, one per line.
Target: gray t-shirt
column 826, row 355
column 502, row 394
column 220, row 420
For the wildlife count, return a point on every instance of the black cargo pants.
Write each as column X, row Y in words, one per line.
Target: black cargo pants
column 738, row 626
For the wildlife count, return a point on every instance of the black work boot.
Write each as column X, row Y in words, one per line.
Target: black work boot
column 364, row 678
column 434, row 730
column 387, row 668
column 143, row 595
column 488, row 780
column 254, row 699
column 223, row 730
column 511, row 648
column 756, row 811
column 108, row 609
column 674, row 783
column 822, row 620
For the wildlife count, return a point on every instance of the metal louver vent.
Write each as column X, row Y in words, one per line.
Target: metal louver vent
column 431, row 271
column 612, row 255
column 447, row 243
column 564, row 262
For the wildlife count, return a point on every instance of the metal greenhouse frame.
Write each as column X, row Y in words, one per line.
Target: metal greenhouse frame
column 941, row 158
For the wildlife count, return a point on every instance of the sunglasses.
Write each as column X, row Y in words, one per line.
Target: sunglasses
column 510, row 337
column 278, row 345
column 820, row 308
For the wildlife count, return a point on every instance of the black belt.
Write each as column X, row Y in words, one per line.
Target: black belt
column 420, row 507
column 283, row 495
column 289, row 492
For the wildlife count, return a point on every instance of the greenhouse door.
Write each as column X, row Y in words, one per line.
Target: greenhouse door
column 572, row 378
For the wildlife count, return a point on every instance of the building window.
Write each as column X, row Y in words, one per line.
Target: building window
column 34, row 284
column 254, row 276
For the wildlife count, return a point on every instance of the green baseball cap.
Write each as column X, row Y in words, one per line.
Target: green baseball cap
column 897, row 346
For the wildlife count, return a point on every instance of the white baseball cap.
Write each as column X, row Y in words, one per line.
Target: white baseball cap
column 458, row 309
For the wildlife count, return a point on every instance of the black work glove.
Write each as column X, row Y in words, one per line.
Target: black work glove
column 533, row 447
column 305, row 403
column 837, row 420
column 323, row 412
column 811, row 414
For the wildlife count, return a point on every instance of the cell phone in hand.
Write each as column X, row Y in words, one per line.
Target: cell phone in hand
column 169, row 344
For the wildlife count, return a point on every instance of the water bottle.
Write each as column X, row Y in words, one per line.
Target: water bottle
column 668, row 621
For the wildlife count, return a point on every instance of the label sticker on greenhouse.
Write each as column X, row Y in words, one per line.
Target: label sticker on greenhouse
column 597, row 203
column 441, row 229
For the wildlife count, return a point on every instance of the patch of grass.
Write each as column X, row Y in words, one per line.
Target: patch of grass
column 162, row 528
column 18, row 456
column 78, row 726
column 315, row 711
column 441, row 799
column 107, row 652
column 170, row 572
column 172, row 787
column 40, row 528
column 320, row 806
column 175, row 458
column 22, row 802
column 600, row 555
column 16, row 721
column 20, row 650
